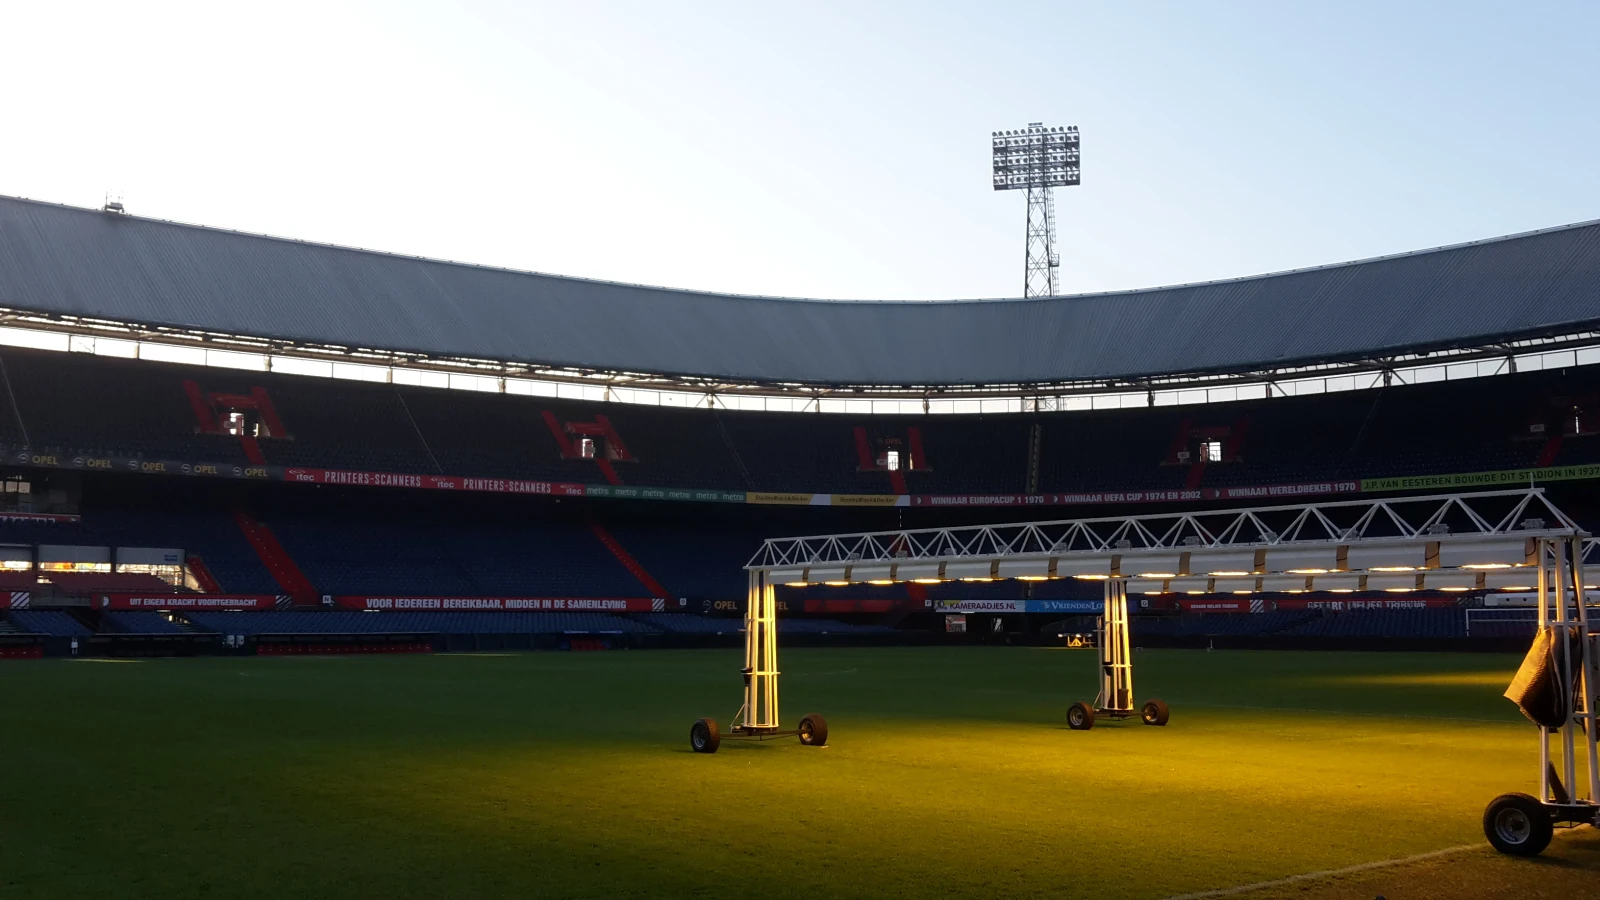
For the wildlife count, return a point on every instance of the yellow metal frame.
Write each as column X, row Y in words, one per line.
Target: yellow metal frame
column 760, row 710
column 1561, row 571
column 1116, row 664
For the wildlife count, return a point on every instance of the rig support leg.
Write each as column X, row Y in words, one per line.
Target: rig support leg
column 760, row 710
column 1116, row 666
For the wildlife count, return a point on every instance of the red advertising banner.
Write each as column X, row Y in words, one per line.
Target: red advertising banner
column 433, row 482
column 1222, row 605
column 855, row 606
column 14, row 599
column 1380, row 603
column 1257, row 492
column 506, row 604
column 187, row 601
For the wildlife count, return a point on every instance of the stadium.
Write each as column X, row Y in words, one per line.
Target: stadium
column 456, row 495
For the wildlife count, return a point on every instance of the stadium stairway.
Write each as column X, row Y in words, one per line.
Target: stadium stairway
column 628, row 562
column 202, row 574
column 277, row 560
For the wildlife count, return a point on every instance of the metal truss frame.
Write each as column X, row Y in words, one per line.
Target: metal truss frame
column 1442, row 518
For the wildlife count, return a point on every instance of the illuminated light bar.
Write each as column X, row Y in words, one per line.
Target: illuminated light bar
column 1234, row 563
column 1511, row 580
column 1284, row 583
column 1339, row 582
column 1151, row 565
column 1085, row 566
column 1395, row 582
column 1304, row 560
column 881, row 581
column 918, row 572
column 1234, row 585
column 1028, row 569
column 969, row 571
column 927, row 581
column 872, row 573
column 1391, row 557
column 1498, row 554
column 837, row 583
column 1450, row 581
column 826, row 574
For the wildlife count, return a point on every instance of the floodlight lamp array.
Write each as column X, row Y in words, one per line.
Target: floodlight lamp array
column 1036, row 157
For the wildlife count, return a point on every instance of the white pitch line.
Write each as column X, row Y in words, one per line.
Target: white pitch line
column 1347, row 870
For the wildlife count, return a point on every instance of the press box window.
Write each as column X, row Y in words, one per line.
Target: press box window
column 1211, row 451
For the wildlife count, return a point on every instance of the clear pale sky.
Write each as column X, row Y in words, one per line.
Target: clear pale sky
column 825, row 149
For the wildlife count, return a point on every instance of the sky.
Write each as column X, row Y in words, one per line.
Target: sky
column 831, row 150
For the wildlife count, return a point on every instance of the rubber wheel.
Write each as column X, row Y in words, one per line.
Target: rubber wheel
column 1080, row 717
column 704, row 736
column 1154, row 712
column 813, row 730
column 1517, row 824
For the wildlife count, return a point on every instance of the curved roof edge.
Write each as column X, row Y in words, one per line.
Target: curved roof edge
column 68, row 261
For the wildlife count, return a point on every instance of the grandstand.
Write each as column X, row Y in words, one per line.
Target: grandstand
column 213, row 434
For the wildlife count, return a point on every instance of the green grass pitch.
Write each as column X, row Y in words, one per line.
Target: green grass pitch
column 949, row 772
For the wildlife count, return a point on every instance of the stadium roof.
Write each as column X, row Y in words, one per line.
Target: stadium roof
column 71, row 263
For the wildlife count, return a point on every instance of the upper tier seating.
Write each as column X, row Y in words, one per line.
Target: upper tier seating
column 76, row 403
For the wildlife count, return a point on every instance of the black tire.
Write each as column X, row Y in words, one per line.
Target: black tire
column 1518, row 824
column 1080, row 717
column 1154, row 713
column 813, row 730
column 704, row 736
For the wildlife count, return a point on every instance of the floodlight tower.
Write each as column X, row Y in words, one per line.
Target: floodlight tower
column 1038, row 159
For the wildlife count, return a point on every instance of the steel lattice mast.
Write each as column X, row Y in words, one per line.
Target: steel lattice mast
column 1038, row 159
